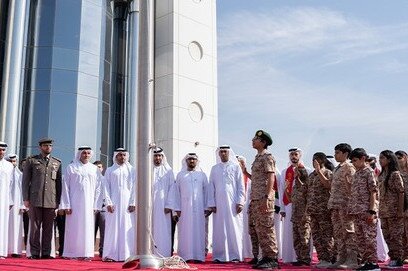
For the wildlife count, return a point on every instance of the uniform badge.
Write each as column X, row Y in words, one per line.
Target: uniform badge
column 259, row 133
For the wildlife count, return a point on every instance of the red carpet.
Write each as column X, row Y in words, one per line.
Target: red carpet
column 19, row 264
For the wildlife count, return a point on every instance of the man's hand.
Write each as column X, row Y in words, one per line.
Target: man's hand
column 68, row 211
column 110, row 208
column 239, row 208
column 61, row 212
column 283, row 214
column 27, row 203
column 131, row 209
column 316, row 165
column 167, row 210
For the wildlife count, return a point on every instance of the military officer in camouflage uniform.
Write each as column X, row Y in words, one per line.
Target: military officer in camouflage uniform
column 41, row 194
column 299, row 219
column 261, row 208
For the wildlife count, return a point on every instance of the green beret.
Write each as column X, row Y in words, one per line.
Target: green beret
column 265, row 136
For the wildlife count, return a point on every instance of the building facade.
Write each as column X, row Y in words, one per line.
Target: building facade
column 68, row 70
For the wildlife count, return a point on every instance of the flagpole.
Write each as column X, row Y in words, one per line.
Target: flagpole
column 145, row 133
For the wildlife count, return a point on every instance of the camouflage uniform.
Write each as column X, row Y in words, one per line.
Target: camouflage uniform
column 404, row 176
column 252, row 233
column 262, row 223
column 363, row 184
column 343, row 228
column 301, row 221
column 391, row 225
column 321, row 224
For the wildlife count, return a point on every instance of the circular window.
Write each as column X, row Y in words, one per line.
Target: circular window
column 195, row 50
column 195, row 111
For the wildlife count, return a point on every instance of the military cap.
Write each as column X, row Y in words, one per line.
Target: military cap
column 265, row 136
column 45, row 140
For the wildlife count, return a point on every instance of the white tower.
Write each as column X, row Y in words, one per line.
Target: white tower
column 186, row 80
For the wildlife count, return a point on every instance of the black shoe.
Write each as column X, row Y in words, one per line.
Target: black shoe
column 46, row 257
column 369, row 266
column 34, row 257
column 253, row 261
column 267, row 264
column 217, row 261
column 15, row 255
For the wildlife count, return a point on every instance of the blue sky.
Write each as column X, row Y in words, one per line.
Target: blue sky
column 313, row 74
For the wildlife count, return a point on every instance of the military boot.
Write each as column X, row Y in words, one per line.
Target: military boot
column 351, row 261
column 340, row 260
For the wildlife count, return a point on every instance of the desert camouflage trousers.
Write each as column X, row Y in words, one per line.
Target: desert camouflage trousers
column 262, row 230
column 393, row 231
column 322, row 233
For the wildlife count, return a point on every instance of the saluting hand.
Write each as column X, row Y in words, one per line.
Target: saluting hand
column 316, row 165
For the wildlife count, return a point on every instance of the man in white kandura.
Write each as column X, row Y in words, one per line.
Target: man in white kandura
column 120, row 200
column 6, row 201
column 15, row 244
column 81, row 187
column 190, row 201
column 163, row 179
column 226, row 199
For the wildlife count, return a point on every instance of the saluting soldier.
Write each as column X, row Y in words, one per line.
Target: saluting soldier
column 41, row 194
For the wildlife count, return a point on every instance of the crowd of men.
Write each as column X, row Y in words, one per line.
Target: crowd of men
column 264, row 214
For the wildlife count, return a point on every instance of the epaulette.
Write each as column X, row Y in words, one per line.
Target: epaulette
column 59, row 160
column 28, row 157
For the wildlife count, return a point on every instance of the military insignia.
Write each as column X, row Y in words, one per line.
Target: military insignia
column 259, row 133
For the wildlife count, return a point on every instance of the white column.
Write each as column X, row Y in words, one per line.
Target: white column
column 12, row 74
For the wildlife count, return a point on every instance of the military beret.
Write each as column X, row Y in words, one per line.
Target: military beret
column 265, row 136
column 45, row 140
